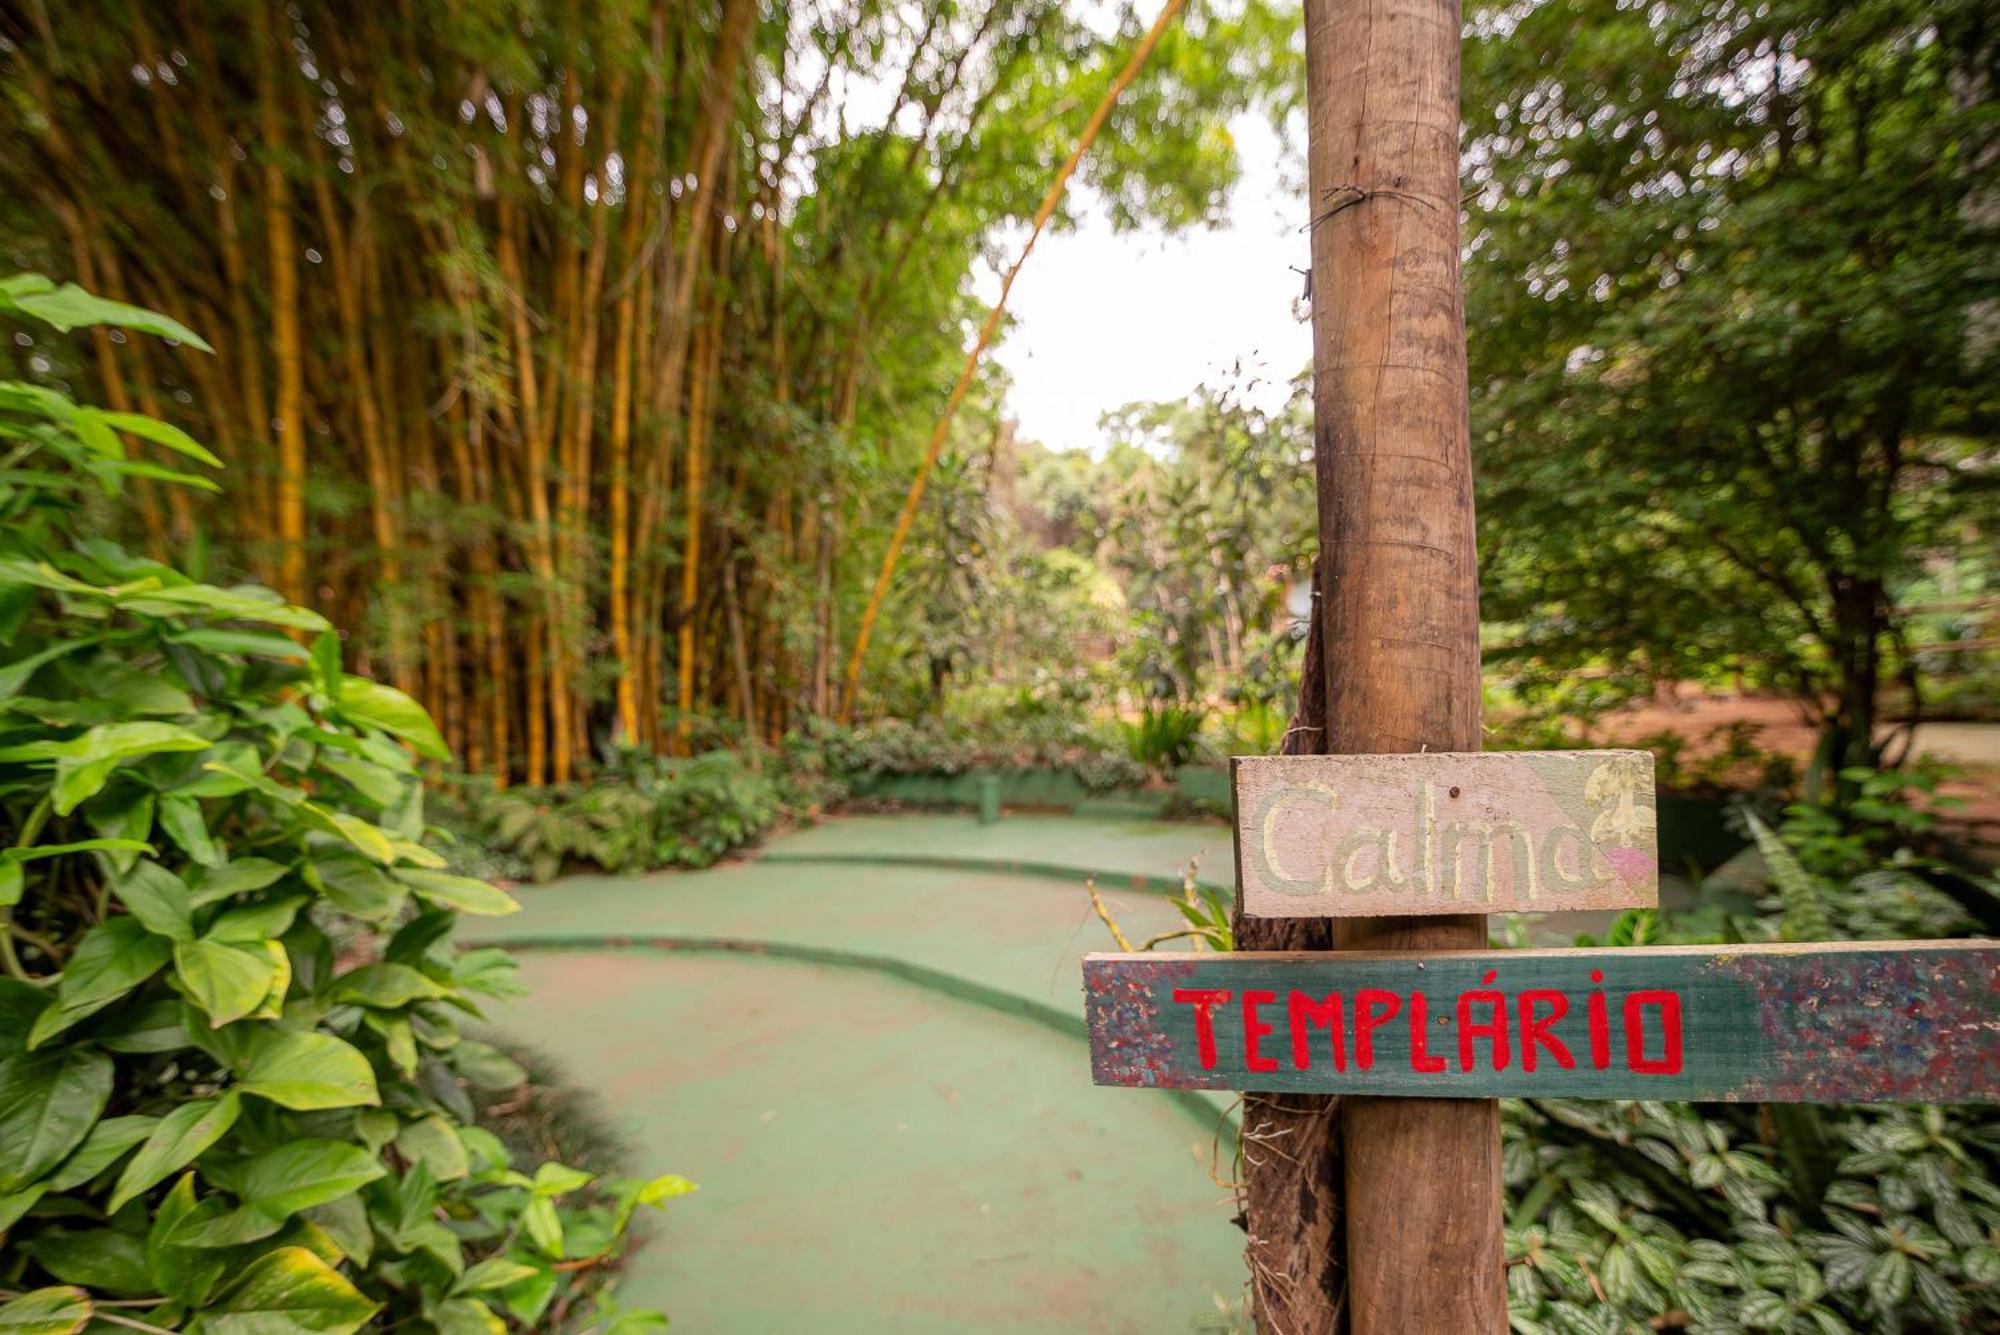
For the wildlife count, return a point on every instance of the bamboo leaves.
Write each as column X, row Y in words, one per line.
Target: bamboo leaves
column 580, row 326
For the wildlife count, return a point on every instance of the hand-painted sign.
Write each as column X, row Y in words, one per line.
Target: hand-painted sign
column 1908, row 1021
column 1496, row 832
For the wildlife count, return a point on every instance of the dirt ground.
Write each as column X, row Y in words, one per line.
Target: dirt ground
column 1701, row 718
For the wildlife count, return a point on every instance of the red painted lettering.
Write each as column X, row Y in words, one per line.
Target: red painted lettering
column 1535, row 1032
column 1669, row 1005
column 1421, row 1059
column 1305, row 1013
column 1493, row 1028
column 1373, row 1008
column 1254, row 1029
column 1600, row 1027
column 1204, row 1000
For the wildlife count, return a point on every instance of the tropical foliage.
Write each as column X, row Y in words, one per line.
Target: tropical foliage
column 650, row 813
column 579, row 355
column 1202, row 514
column 1731, row 326
column 234, row 1089
column 1164, row 737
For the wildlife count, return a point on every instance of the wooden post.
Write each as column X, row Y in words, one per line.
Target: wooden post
column 1399, row 592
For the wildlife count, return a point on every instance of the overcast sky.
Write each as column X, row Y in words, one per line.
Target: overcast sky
column 1104, row 319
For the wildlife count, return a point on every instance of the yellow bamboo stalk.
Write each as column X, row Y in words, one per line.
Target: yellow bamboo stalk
column 701, row 416
column 628, row 318
column 621, row 497
column 80, row 227
column 246, row 369
column 915, row 498
column 286, row 336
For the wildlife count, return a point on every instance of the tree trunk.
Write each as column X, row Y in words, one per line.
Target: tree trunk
column 701, row 415
column 1859, row 623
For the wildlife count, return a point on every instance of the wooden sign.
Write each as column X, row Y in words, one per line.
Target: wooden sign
column 1904, row 1022
column 1492, row 832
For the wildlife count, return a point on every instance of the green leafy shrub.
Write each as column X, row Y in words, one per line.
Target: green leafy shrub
column 839, row 757
column 1729, row 758
column 1890, row 812
column 234, row 1092
column 650, row 813
column 1873, row 865
column 1656, row 1216
column 1164, row 737
column 886, row 746
column 1253, row 728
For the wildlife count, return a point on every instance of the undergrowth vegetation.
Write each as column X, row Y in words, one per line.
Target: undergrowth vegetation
column 235, row 1094
column 1164, row 737
column 648, row 813
column 1020, row 734
column 645, row 813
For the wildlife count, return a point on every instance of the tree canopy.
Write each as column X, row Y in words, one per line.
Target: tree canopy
column 1731, row 281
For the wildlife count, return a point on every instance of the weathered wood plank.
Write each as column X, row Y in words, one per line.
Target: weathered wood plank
column 1430, row 833
column 1904, row 1021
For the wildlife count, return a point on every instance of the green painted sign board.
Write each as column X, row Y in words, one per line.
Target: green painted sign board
column 1902, row 1022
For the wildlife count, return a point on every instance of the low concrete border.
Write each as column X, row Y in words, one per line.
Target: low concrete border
column 1143, row 882
column 1204, row 1108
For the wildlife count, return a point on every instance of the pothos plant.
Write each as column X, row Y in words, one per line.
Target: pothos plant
column 212, row 1118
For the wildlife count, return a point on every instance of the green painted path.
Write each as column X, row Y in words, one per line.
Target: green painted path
column 866, row 1045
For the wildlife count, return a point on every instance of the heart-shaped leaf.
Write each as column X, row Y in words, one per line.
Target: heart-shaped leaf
column 61, row 1310
column 48, row 1103
column 113, row 958
column 289, row 1289
column 228, row 981
column 305, row 1071
column 180, row 1137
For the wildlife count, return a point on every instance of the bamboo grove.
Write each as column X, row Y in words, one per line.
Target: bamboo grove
column 580, row 353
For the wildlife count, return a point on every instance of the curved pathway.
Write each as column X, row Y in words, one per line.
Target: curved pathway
column 866, row 1044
